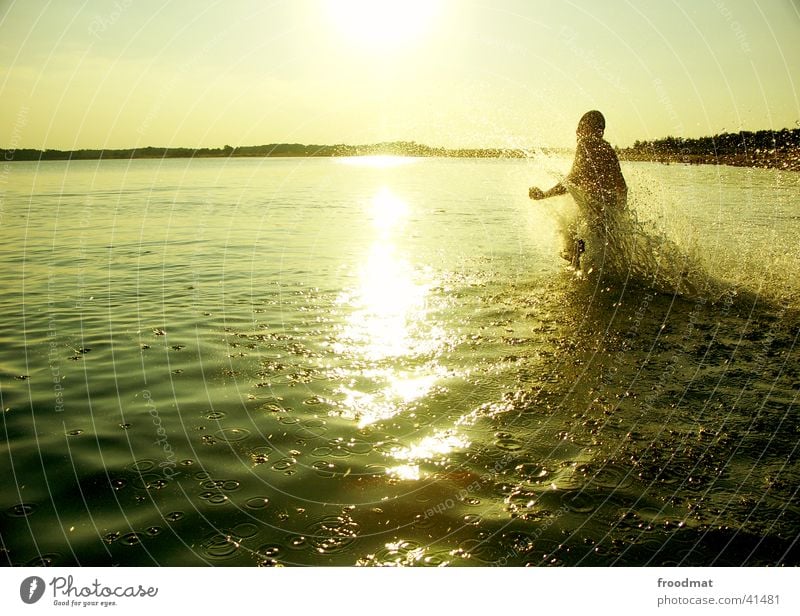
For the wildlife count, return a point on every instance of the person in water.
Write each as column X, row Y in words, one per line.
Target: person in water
column 596, row 174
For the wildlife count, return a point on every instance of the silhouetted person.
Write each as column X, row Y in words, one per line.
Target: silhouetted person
column 595, row 174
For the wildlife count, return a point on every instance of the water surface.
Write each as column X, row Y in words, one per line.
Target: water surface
column 382, row 361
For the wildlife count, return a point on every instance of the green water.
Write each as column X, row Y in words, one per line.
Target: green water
column 323, row 362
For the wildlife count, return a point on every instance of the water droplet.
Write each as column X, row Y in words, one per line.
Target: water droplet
column 215, row 415
column 154, row 531
column 111, row 537
column 269, row 550
column 535, row 473
column 75, row 432
column 333, row 534
column 174, row 516
column 297, row 542
column 149, row 481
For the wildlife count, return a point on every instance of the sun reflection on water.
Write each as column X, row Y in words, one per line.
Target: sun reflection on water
column 437, row 446
column 393, row 337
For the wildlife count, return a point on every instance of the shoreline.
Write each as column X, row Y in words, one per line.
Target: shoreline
column 784, row 159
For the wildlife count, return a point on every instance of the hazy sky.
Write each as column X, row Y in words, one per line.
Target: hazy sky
column 205, row 73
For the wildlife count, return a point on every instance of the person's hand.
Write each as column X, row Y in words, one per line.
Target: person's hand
column 535, row 193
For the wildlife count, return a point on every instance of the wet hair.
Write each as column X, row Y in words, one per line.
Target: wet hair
column 592, row 122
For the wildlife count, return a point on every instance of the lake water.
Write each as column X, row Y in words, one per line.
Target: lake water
column 384, row 361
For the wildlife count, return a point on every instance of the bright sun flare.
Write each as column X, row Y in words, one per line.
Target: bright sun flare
column 383, row 23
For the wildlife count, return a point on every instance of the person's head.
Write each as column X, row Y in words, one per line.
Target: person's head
column 592, row 124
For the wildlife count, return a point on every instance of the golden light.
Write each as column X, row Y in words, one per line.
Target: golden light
column 429, row 449
column 383, row 24
column 377, row 161
column 387, row 210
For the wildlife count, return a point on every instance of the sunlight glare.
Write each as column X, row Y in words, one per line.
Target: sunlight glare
column 377, row 161
column 383, row 24
column 387, row 209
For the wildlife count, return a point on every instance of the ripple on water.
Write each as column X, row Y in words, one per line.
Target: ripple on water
column 358, row 447
column 324, row 468
column 472, row 519
column 333, row 534
column 257, row 502
column 149, row 481
column 21, row 510
column 533, row 473
column 313, row 428
column 228, row 485
column 609, row 476
column 245, row 530
column 141, row 466
column 481, row 551
column 45, row 560
column 214, row 497
column 579, row 501
column 131, row 539
column 112, row 537
column 232, row 435
column 219, row 546
column 284, row 464
column 215, row 415
column 260, row 455
column 509, row 444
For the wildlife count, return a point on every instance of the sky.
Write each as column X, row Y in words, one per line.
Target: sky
column 454, row 73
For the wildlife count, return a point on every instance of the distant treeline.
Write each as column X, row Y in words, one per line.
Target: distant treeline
column 765, row 148
column 401, row 148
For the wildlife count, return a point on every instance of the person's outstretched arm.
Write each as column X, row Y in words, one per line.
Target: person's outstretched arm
column 538, row 193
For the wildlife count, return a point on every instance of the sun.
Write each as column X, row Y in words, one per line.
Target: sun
column 383, row 24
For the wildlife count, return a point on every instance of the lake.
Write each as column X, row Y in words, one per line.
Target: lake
column 384, row 361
